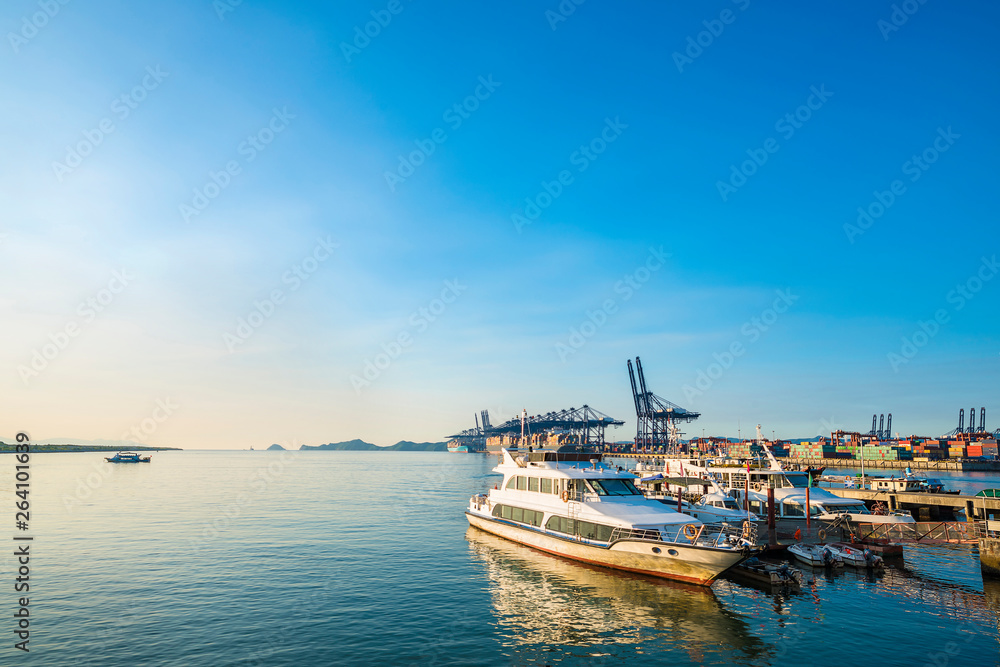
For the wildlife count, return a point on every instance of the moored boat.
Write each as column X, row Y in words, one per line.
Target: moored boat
column 816, row 554
column 856, row 556
column 776, row 575
column 567, row 503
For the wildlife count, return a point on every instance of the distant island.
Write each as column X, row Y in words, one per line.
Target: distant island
column 276, row 446
column 362, row 446
column 41, row 449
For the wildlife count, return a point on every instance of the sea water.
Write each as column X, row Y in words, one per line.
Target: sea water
column 351, row 558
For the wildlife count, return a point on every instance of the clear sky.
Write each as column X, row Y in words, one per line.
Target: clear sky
column 217, row 216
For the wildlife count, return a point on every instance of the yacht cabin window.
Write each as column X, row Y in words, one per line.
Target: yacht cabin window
column 536, row 484
column 614, row 487
column 518, row 514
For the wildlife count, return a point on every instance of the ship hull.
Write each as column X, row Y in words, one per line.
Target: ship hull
column 694, row 565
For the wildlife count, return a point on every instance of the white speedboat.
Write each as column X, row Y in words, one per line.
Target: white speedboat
column 567, row 503
column 856, row 556
column 816, row 554
column 717, row 507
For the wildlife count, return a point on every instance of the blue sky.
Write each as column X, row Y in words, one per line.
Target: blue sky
column 245, row 171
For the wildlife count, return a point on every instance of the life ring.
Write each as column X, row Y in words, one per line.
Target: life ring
column 756, row 486
column 692, row 533
column 821, row 535
column 565, row 495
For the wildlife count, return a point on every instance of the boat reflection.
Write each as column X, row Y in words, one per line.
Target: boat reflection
column 541, row 600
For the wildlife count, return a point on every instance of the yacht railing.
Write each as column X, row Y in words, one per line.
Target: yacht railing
column 635, row 534
column 704, row 535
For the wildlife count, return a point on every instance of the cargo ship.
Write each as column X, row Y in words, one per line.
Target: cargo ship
column 458, row 447
column 466, row 444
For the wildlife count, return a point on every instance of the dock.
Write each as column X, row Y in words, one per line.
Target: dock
column 928, row 506
column 954, row 465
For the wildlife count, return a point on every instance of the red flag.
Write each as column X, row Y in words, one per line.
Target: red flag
column 798, row 533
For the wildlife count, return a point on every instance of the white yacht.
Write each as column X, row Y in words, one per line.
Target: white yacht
column 749, row 484
column 567, row 503
column 714, row 506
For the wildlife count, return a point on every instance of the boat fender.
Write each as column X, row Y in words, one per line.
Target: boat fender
column 746, row 530
column 690, row 531
column 565, row 496
column 821, row 535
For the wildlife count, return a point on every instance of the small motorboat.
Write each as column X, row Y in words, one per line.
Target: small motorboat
column 128, row 457
column 856, row 555
column 819, row 555
column 780, row 575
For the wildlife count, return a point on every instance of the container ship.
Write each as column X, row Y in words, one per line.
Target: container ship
column 466, row 445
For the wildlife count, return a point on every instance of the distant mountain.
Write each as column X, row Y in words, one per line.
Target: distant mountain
column 115, row 444
column 41, row 449
column 362, row 446
column 276, row 446
column 351, row 445
column 407, row 446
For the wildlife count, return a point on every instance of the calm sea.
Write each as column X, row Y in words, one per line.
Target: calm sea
column 344, row 558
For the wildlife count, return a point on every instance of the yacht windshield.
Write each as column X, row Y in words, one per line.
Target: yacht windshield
column 614, row 487
column 797, row 481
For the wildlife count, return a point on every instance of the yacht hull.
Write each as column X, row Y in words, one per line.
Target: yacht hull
column 694, row 565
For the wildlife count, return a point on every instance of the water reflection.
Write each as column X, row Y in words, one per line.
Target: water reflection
column 549, row 609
